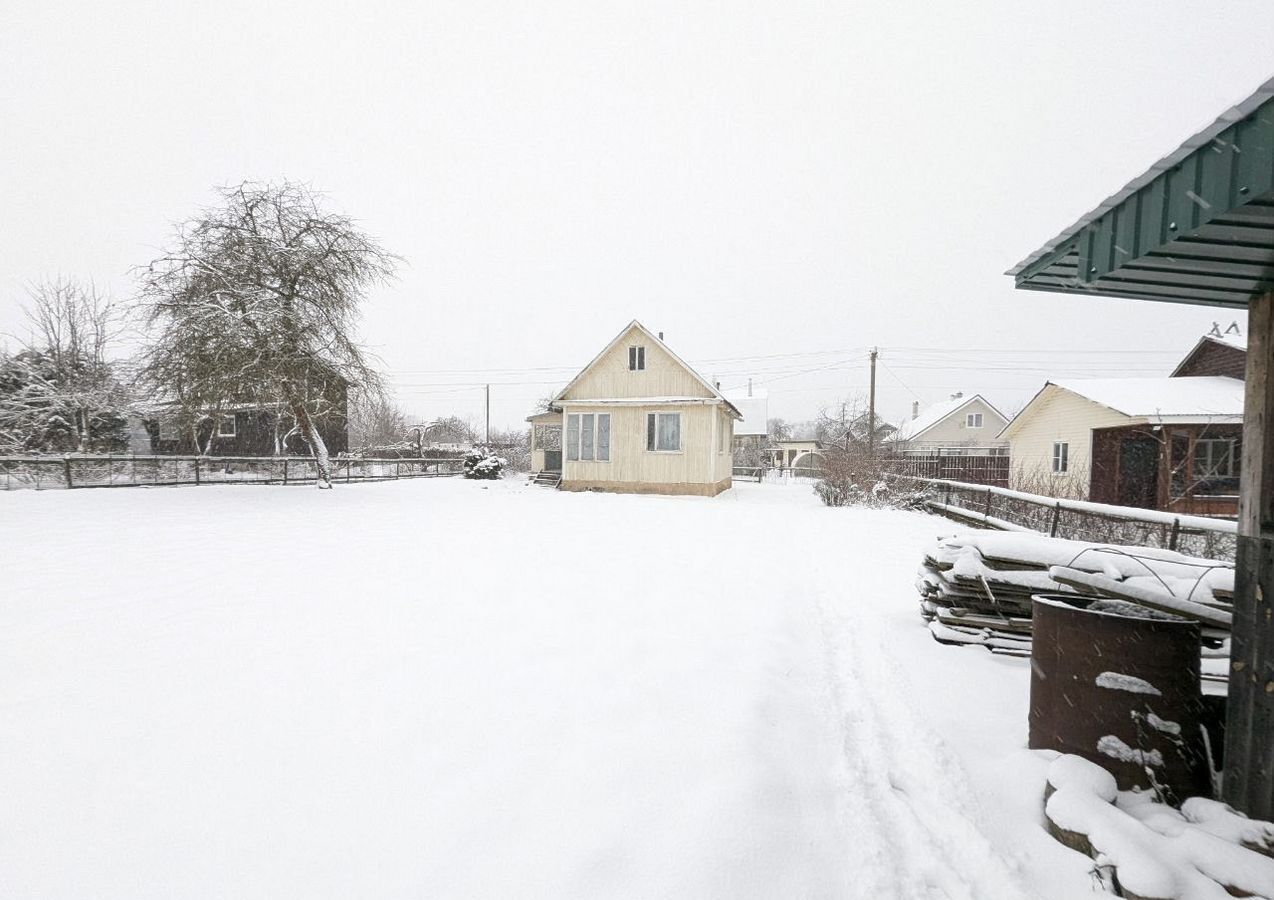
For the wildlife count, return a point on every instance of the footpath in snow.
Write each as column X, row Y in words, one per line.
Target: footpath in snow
column 454, row 689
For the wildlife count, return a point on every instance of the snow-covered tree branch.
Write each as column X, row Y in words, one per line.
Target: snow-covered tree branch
column 257, row 301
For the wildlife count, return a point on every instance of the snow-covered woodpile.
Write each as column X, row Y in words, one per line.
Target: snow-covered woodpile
column 976, row 587
column 1146, row 849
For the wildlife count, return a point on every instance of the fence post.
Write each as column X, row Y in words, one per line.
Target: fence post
column 196, row 470
column 285, row 470
column 1176, row 533
column 986, row 512
column 1057, row 513
column 66, row 462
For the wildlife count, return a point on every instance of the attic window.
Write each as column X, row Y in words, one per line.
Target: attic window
column 973, row 420
column 636, row 359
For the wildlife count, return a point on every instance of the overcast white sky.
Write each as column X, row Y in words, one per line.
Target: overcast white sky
column 776, row 186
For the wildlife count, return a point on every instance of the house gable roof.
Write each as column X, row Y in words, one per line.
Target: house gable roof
column 711, row 391
column 935, row 414
column 1198, row 399
column 1232, row 342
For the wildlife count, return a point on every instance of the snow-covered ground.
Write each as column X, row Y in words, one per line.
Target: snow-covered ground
column 460, row 689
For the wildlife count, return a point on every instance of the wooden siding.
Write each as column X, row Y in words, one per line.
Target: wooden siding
column 630, row 461
column 609, row 378
column 1214, row 358
column 1057, row 415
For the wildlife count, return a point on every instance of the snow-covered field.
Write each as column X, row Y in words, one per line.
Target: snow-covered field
column 456, row 689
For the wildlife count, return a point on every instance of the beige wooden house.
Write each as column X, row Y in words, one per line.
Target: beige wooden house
column 1159, row 443
column 637, row 419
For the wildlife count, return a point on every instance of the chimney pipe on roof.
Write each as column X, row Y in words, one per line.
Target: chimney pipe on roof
column 915, row 409
column 661, row 335
column 749, row 387
column 957, row 395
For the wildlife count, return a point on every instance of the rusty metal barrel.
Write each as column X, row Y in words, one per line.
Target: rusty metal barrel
column 1119, row 685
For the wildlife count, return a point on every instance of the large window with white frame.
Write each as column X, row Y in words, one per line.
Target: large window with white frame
column 663, row 432
column 636, row 359
column 973, row 420
column 1216, row 458
column 1061, row 457
column 588, row 437
column 226, row 427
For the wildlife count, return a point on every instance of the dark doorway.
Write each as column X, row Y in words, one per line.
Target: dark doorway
column 552, row 460
column 1139, row 472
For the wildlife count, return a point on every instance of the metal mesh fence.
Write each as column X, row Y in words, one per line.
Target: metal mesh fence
column 60, row 472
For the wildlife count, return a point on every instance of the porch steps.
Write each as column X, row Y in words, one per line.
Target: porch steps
column 547, row 479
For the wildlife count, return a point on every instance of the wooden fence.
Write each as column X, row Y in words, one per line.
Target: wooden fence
column 1000, row 508
column 990, row 470
column 61, row 472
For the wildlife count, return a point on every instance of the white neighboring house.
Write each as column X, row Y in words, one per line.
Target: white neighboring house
column 751, row 431
column 637, row 419
column 957, row 426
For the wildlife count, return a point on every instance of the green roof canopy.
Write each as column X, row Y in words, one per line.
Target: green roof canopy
column 1197, row 227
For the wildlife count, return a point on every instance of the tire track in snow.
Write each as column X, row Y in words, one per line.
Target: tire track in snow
column 913, row 827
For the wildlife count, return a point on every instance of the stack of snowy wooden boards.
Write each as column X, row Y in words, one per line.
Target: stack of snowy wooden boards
column 976, row 587
column 1147, row 849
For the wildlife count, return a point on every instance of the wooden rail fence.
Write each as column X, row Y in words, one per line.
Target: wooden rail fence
column 62, row 472
column 996, row 507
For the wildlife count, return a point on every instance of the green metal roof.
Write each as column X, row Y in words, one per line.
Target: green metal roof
column 1197, row 227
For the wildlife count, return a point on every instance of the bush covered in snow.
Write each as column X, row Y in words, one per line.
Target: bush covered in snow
column 482, row 462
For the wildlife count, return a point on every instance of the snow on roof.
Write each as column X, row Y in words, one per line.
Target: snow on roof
column 932, row 415
column 1200, row 398
column 1232, row 339
column 755, row 408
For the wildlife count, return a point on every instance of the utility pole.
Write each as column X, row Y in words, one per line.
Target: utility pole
column 871, row 408
column 488, row 429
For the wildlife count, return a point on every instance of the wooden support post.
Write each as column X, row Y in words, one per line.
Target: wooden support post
column 1175, row 535
column 66, row 462
column 285, row 470
column 196, row 470
column 1057, row 515
column 1249, row 731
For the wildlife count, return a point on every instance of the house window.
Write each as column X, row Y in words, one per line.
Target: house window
column 225, row 427
column 1061, row 457
column 636, row 359
column 1215, row 458
column 663, row 432
column 973, row 420
column 588, row 437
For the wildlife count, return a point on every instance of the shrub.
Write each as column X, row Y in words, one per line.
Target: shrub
column 483, row 463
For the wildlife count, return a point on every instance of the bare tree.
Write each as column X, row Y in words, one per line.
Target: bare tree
column 62, row 388
column 257, row 301
column 375, row 420
column 514, row 445
column 847, row 423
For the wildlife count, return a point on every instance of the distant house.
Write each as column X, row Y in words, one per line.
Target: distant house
column 752, row 431
column 248, row 429
column 957, row 426
column 1156, row 443
column 1217, row 353
column 797, row 454
column 637, row 419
